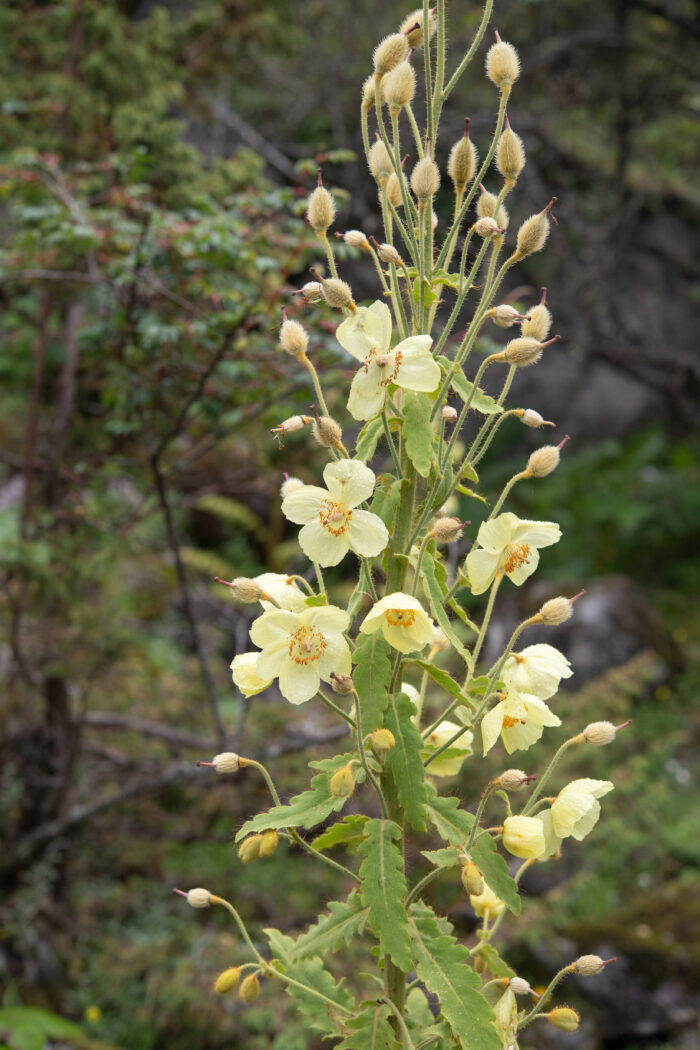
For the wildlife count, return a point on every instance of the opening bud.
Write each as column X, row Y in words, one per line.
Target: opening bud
column 449, row 414
column 600, row 733
column 342, row 783
column 530, row 418
column 368, row 89
column 558, row 610
column 293, row 338
column 591, row 965
column 312, row 292
column 534, row 232
column 268, row 842
column 380, row 163
column 290, row 485
column 486, row 903
column 412, row 27
column 486, row 208
column 249, row 989
column 227, row 980
column 514, row 779
column 389, row 52
column 472, row 879
column 226, row 762
column 538, row 321
column 341, row 683
column 462, row 162
column 447, row 530
column 510, row 155
column 425, row 179
column 519, row 986
column 243, row 589
column 502, row 64
column 355, row 238
column 382, row 740
column 564, row 1018
column 504, row 315
column 197, row 898
column 398, row 87
column 249, row 849
column 524, row 837
column 320, row 210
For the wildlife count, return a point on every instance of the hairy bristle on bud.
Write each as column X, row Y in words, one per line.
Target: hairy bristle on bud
column 543, row 461
column 502, row 64
column 327, row 432
column 337, row 294
column 462, row 162
column 293, row 338
column 510, row 155
column 486, row 209
column 389, row 52
column 380, row 163
column 412, row 27
column 538, row 322
column 320, row 210
column 425, row 179
column 447, row 530
column 398, row 86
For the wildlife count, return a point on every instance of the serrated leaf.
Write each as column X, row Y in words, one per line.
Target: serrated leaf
column 452, row 823
column 371, row 678
column 464, row 491
column 320, row 1015
column 469, row 473
column 435, row 599
column 384, row 889
column 304, row 811
column 443, row 679
column 498, row 966
column 348, row 832
column 449, row 857
column 386, row 498
column 442, row 964
column 314, row 600
column 481, row 401
column 404, row 760
column 418, row 433
column 332, row 931
column 495, row 871
column 367, row 439
column 281, row 945
column 370, row 1030
column 429, row 296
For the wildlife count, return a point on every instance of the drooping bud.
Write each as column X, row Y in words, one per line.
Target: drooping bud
column 249, row 849
column 558, row 610
column 543, row 461
column 510, row 155
column 293, row 338
column 486, row 208
column 502, row 64
column 601, row 733
column 388, row 254
column 524, row 837
column 393, row 190
column 425, row 179
column 389, row 52
column 380, row 163
column 227, row 980
column 534, row 232
column 382, row 740
column 504, row 315
column 250, row 989
column 519, row 986
column 462, row 162
column 530, row 418
column 312, row 292
column 486, row 903
column 341, row 683
column 320, row 210
column 290, row 485
column 327, row 432
column 355, row 238
column 487, row 227
column 226, row 762
column 268, row 843
column 198, row 898
column 447, row 530
column 288, row 426
column 449, row 414
column 398, row 87
column 412, row 26
column 342, row 783
column 514, row 779
column 564, row 1018
column 245, row 590
column 525, row 351
column 472, row 879
column 539, row 320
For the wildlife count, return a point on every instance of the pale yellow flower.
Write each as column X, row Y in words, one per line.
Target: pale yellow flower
column 302, row 649
column 509, row 545
column 450, row 762
column 245, row 676
column 332, row 524
column 537, row 669
column 576, row 809
column 524, row 837
column 486, row 903
column 282, row 589
column 402, row 620
column 366, row 335
column 519, row 718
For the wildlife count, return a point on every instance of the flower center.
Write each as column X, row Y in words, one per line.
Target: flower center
column 400, row 617
column 306, row 645
column 518, row 554
column 390, row 361
column 334, row 516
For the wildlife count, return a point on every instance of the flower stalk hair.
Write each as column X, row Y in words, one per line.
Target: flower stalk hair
column 385, row 641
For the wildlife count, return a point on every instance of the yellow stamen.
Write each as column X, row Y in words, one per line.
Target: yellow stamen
column 401, row 617
column 518, row 554
column 306, row 645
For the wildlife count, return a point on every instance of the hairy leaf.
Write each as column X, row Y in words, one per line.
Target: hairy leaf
column 372, row 676
column 281, row 945
column 384, row 890
column 480, row 401
column 318, row 982
column 386, row 498
column 404, row 760
column 449, row 857
column 303, row 811
column 367, row 439
column 441, row 963
column 348, row 832
column 442, row 678
column 495, row 871
column 435, row 597
column 332, row 931
column 451, row 823
column 418, row 433
column 498, row 966
column 370, row 1030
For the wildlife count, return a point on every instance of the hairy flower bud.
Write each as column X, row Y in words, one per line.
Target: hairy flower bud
column 522, row 352
column 538, row 321
column 355, row 238
column 398, row 87
column 290, row 485
column 389, row 52
column 504, row 315
column 245, row 590
column 393, row 190
column 589, row 965
column 462, row 161
column 368, row 92
column 472, row 879
column 543, row 461
column 288, row 426
column 534, row 232
column 341, row 683
column 447, row 530
column 380, row 163
column 226, row 762
column 249, row 849
column 564, row 1018
column 312, row 292
column 510, row 155
column 412, row 27
column 486, row 208
column 556, row 611
column 519, row 986
column 250, row 989
column 382, row 740
column 487, row 227
column 227, row 980
column 337, row 294
column 198, row 898
column 268, row 843
column 502, row 64
column 320, row 210
column 524, row 837
column 388, row 254
column 449, row 414
column 293, row 338
column 530, row 418
column 600, row 733
column 327, row 432
column 342, row 783
column 425, row 179
column 513, row 779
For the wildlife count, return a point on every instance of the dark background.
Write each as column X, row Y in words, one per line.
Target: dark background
column 155, row 161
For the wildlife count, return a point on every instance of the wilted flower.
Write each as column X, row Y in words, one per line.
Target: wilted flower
column 509, row 545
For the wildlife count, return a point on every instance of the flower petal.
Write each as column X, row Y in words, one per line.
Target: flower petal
column 399, row 638
column 417, row 370
column 298, row 682
column 520, row 573
column 369, row 328
column 302, row 505
column 368, row 533
column 496, row 534
column 537, row 533
column 481, row 569
column 335, row 657
column 521, row 736
column 271, row 658
column 366, row 393
column 491, row 725
column 350, row 481
column 321, row 545
column 328, row 619
column 273, row 627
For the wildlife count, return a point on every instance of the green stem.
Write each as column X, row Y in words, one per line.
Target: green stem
column 441, row 57
column 420, row 886
column 506, row 490
column 419, row 561
column 487, row 615
column 405, row 1035
column 296, row 837
column 308, row 365
column 416, row 131
column 363, row 757
column 367, row 572
column 246, row 763
column 578, row 739
column 329, row 255
column 479, row 814
column 319, row 580
column 429, row 127
column 488, row 7
column 539, row 1005
column 338, row 710
column 390, row 443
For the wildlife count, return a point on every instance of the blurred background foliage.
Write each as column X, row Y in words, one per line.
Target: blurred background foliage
column 153, row 166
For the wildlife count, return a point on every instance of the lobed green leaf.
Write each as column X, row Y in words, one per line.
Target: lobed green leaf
column 418, row 432
column 384, row 889
column 332, row 931
column 404, row 760
column 371, row 678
